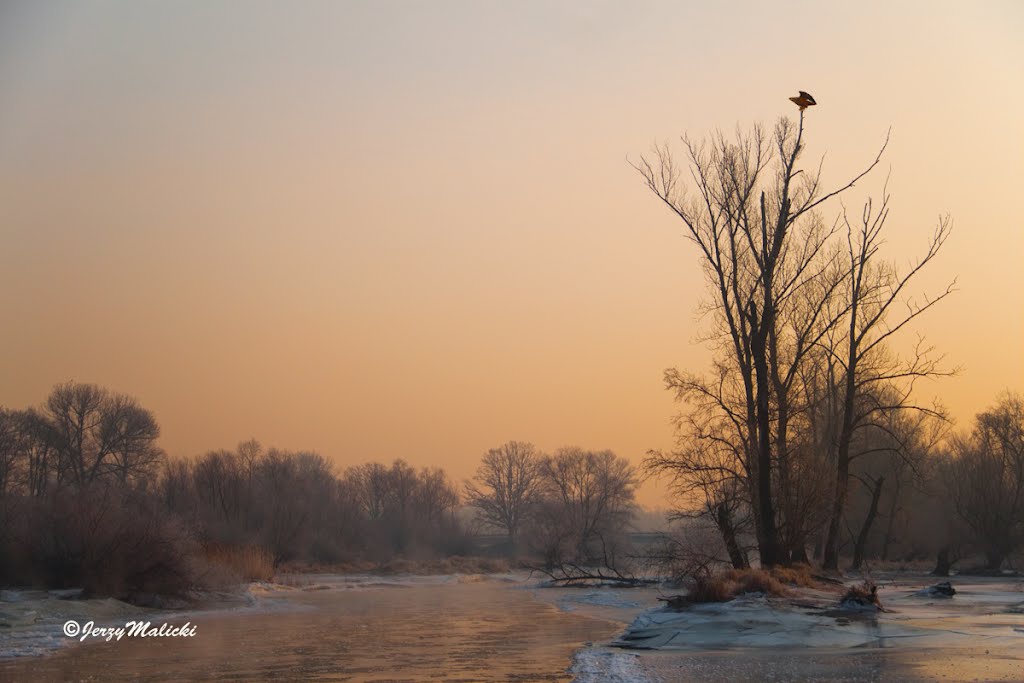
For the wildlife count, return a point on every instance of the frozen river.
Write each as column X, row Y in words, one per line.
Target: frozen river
column 347, row 629
column 507, row 628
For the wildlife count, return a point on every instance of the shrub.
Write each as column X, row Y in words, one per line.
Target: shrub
column 106, row 540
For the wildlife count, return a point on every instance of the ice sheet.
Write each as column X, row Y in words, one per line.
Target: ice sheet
column 981, row 613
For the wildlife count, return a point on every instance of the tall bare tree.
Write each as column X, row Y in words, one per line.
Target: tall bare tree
column 763, row 249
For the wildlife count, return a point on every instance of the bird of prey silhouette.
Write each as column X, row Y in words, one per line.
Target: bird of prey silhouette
column 803, row 100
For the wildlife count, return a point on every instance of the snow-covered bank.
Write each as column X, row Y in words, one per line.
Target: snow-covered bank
column 978, row 634
column 982, row 612
column 597, row 662
column 31, row 620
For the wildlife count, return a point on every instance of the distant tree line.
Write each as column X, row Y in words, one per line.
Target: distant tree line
column 88, row 498
column 294, row 506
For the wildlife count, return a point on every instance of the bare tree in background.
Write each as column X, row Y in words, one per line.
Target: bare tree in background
column 506, row 487
column 589, row 500
column 872, row 379
column 220, row 489
column 406, row 511
column 75, row 410
column 369, row 484
column 885, row 458
column 37, row 451
column 130, row 431
column 96, row 434
column 10, row 448
column 986, row 480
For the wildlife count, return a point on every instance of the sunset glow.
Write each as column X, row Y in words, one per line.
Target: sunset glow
column 385, row 230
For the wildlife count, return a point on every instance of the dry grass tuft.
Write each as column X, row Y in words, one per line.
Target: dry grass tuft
column 797, row 575
column 732, row 583
column 248, row 562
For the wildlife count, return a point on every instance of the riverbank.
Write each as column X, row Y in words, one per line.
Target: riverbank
column 976, row 635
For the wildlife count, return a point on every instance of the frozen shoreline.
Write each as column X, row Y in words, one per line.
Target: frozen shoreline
column 990, row 612
column 603, row 662
column 976, row 635
column 32, row 621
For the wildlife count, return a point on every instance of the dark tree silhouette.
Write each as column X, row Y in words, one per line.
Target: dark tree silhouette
column 764, row 252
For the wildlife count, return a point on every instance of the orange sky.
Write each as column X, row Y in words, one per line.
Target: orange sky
column 396, row 229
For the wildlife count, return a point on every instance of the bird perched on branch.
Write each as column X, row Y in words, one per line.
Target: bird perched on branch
column 803, row 100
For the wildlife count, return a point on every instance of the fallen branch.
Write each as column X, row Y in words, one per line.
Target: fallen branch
column 571, row 574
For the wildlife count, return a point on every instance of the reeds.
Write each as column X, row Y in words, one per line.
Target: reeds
column 248, row 562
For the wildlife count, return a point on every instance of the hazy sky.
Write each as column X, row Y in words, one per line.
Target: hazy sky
column 409, row 229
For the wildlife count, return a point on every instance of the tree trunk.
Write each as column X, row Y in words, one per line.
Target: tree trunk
column 865, row 529
column 831, row 556
column 767, row 531
column 891, row 521
column 725, row 526
column 768, row 536
column 994, row 558
column 942, row 563
column 798, row 551
column 843, row 453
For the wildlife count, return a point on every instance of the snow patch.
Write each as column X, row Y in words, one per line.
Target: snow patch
column 601, row 665
column 31, row 621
